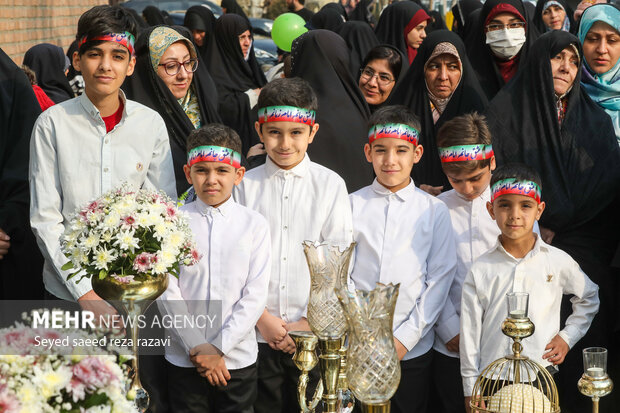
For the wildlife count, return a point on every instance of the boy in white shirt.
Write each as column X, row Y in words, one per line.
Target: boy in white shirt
column 520, row 261
column 302, row 201
column 467, row 159
column 403, row 235
column 234, row 270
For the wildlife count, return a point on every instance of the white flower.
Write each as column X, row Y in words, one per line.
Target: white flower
column 29, row 394
column 167, row 257
column 125, row 240
column 103, row 257
column 159, row 267
column 91, row 241
column 175, row 239
column 112, row 220
column 106, row 236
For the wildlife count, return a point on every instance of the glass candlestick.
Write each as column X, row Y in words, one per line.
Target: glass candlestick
column 595, row 382
column 517, row 305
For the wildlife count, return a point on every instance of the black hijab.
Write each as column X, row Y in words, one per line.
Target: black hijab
column 461, row 11
column 232, row 7
column 579, row 161
column 538, row 21
column 48, row 63
column 411, row 92
column 147, row 88
column 153, row 16
column 360, row 38
column 326, row 18
column 480, row 55
column 201, row 18
column 436, row 22
column 339, row 8
column 393, row 22
column 363, row 12
column 233, row 76
column 21, row 268
column 140, row 22
column 321, row 57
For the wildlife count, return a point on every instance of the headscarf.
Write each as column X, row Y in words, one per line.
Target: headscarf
column 153, row 16
column 461, row 11
column 339, row 8
column 579, row 160
column 146, row 87
column 49, row 63
column 232, row 7
column 321, row 57
column 326, row 18
column 569, row 23
column 201, row 18
column 604, row 89
column 488, row 68
column 396, row 21
column 436, row 22
column 585, row 4
column 140, row 22
column 404, row 66
column 233, row 76
column 360, row 39
column 363, row 12
column 467, row 97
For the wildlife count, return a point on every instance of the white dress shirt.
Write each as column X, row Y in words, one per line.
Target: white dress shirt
column 546, row 273
column 306, row 203
column 73, row 160
column 475, row 232
column 405, row 237
column 234, row 269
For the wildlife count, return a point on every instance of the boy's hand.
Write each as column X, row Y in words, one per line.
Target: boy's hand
column 98, row 306
column 271, row 328
column 301, row 325
column 468, row 408
column 400, row 349
column 557, row 350
column 210, row 364
column 433, row 190
column 547, row 235
column 258, row 149
column 453, row 344
column 4, row 243
column 287, row 345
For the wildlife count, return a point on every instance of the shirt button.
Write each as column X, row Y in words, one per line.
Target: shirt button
column 105, row 169
column 283, row 258
column 283, row 287
column 285, row 227
column 285, row 196
column 107, row 141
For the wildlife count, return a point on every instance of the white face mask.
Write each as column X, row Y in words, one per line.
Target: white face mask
column 506, row 43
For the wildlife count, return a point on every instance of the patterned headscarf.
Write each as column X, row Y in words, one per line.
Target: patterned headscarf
column 161, row 39
column 442, row 48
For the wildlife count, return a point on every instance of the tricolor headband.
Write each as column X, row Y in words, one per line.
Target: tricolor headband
column 125, row 39
column 286, row 114
column 462, row 153
column 512, row 186
column 394, row 130
column 214, row 154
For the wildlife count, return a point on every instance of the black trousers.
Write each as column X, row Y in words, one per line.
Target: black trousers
column 277, row 382
column 415, row 384
column 189, row 392
column 447, row 392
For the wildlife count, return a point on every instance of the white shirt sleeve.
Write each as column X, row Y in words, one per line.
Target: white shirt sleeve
column 160, row 175
column 46, row 201
column 448, row 324
column 471, row 334
column 440, row 264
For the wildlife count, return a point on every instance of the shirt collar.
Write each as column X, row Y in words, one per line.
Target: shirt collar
column 94, row 112
column 208, row 210
column 539, row 245
column 403, row 194
column 301, row 169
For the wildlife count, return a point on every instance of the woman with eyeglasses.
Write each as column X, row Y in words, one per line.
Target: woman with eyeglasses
column 439, row 86
column 499, row 43
column 379, row 74
column 172, row 79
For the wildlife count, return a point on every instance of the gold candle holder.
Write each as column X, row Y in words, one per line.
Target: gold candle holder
column 305, row 359
column 595, row 383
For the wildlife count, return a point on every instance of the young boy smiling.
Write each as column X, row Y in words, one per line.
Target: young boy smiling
column 403, row 235
column 302, row 201
column 234, row 270
column 521, row 262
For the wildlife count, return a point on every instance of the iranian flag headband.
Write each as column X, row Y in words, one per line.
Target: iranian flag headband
column 512, row 186
column 125, row 39
column 394, row 130
column 463, row 153
column 286, row 114
column 214, row 154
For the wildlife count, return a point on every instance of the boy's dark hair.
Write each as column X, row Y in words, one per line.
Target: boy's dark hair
column 214, row 134
column 469, row 129
column 395, row 114
column 393, row 58
column 517, row 171
column 101, row 20
column 288, row 92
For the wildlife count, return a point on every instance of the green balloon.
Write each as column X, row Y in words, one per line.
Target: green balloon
column 286, row 28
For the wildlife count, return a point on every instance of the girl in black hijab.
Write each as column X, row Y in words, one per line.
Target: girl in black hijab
column 237, row 78
column 497, row 55
column 461, row 11
column 360, row 39
column 552, row 10
column 232, row 7
column 339, row 8
column 571, row 142
column 321, row 57
column 414, row 92
column 201, row 22
column 182, row 115
column 49, row 63
column 153, row 16
column 326, row 18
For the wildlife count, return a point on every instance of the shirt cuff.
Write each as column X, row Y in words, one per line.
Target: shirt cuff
column 252, row 96
column 468, row 385
column 449, row 329
column 566, row 337
column 77, row 290
column 406, row 337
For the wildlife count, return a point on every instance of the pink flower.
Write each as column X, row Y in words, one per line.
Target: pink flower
column 123, row 279
column 8, row 401
column 128, row 222
column 77, row 390
column 195, row 256
column 13, row 337
column 142, row 262
column 93, row 373
column 171, row 212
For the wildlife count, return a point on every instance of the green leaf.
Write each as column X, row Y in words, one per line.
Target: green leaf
column 103, row 274
column 96, row 400
column 67, row 266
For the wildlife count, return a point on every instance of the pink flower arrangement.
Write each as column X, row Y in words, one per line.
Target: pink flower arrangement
column 8, row 401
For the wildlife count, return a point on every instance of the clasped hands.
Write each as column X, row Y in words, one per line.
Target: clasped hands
column 209, row 361
column 275, row 331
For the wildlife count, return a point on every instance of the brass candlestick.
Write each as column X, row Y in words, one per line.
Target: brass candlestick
column 305, row 359
column 595, row 382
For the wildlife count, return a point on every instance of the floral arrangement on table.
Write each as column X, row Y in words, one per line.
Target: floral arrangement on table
column 91, row 380
column 128, row 234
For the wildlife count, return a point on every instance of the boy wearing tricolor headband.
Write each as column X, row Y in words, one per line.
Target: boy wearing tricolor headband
column 88, row 145
column 403, row 236
column 234, row 243
column 521, row 261
column 302, row 201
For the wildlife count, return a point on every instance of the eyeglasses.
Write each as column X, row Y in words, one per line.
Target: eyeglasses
column 382, row 78
column 173, row 68
column 513, row 25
